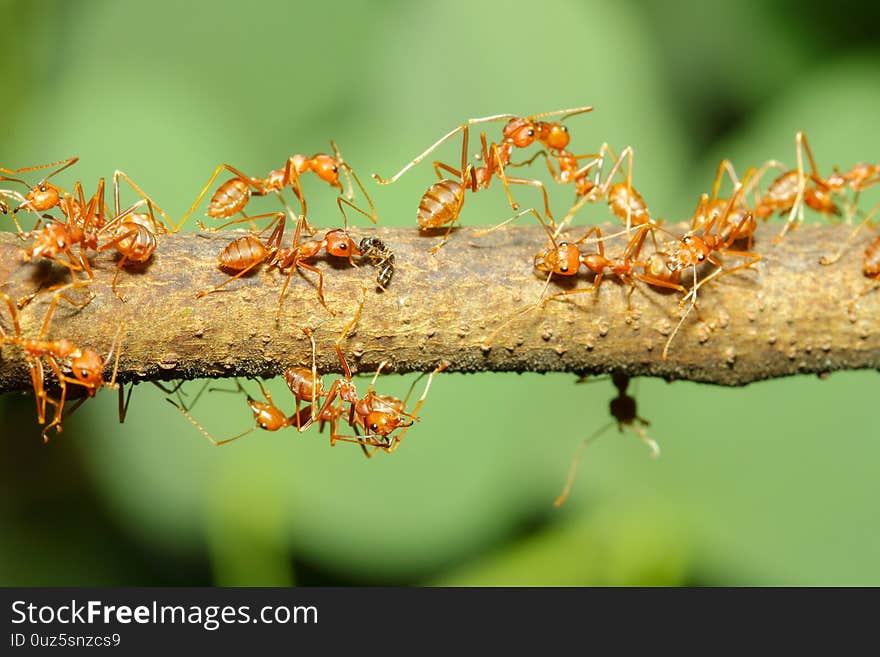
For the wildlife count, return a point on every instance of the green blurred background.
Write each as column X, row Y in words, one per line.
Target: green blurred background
column 772, row 484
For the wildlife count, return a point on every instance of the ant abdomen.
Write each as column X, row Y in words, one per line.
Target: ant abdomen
column 229, row 199
column 242, row 253
column 441, row 204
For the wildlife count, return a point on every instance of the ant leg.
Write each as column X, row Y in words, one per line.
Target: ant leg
column 123, row 401
column 572, row 470
column 202, row 293
column 233, row 170
column 167, row 225
column 299, row 264
column 456, row 213
column 797, row 209
column 485, row 231
column 202, row 429
column 277, row 216
column 418, row 406
column 825, row 260
column 536, row 183
column 371, row 215
column 449, row 135
column 440, row 165
column 62, row 294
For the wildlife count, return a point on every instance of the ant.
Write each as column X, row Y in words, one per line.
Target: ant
column 244, row 253
column 132, row 234
column 233, row 195
column 378, row 415
column 380, row 256
column 442, row 203
column 870, row 263
column 566, row 259
column 623, row 410
column 305, row 384
column 135, row 236
column 86, row 364
column 266, row 414
column 693, row 250
column 793, row 188
column 624, row 201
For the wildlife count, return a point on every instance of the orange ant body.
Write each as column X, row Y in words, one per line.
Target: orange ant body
column 244, row 253
column 793, row 188
column 86, row 364
column 694, row 249
column 442, row 202
column 132, row 234
column 378, row 415
column 303, row 383
column 623, row 410
column 267, row 416
column 233, row 195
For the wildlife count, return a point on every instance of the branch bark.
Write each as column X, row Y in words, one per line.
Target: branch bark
column 787, row 316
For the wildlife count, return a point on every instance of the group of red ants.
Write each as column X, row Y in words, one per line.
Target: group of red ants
column 720, row 226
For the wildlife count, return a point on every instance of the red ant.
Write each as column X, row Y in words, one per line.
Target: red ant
column 870, row 264
column 305, row 384
column 566, row 259
column 623, row 410
column 244, row 253
column 85, row 364
column 720, row 209
column 793, row 189
column 693, row 250
column 378, row 415
column 233, row 195
column 442, row 203
column 266, row 414
column 132, row 234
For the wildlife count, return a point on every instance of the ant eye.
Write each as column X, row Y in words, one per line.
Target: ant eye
column 563, row 269
column 374, row 427
column 701, row 257
column 531, row 133
column 60, row 244
column 262, row 425
column 83, row 373
column 564, row 129
column 335, row 169
column 42, row 188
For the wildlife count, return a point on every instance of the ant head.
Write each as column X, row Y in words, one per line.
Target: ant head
column 339, row 243
column 43, row 196
column 382, row 423
column 553, row 135
column 327, row 169
column 521, row 132
column 564, row 259
column 87, row 369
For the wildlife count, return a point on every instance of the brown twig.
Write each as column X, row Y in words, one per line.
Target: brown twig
column 787, row 316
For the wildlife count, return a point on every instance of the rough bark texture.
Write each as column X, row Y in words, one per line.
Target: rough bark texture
column 786, row 316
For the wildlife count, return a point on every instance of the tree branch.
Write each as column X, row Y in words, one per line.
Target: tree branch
column 787, row 316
